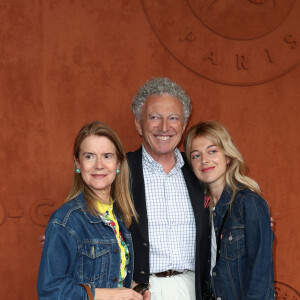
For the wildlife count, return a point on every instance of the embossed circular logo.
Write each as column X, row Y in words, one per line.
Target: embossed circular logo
column 285, row 292
column 235, row 42
column 241, row 19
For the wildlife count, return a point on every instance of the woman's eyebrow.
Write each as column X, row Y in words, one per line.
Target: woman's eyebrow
column 204, row 148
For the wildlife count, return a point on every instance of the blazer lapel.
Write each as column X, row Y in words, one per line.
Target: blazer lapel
column 196, row 193
column 138, row 191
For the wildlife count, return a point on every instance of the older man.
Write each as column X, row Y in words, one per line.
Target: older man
column 171, row 239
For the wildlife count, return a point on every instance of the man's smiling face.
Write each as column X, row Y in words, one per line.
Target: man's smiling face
column 162, row 125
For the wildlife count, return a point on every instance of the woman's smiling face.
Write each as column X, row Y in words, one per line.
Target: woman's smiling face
column 98, row 164
column 209, row 162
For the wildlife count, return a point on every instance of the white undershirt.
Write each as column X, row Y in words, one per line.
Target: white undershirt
column 213, row 246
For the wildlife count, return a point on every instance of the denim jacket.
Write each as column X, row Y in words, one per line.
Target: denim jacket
column 244, row 269
column 80, row 249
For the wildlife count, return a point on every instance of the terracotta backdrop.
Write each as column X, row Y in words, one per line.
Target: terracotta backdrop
column 64, row 63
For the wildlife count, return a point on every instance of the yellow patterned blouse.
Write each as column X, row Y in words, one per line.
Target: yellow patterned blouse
column 107, row 215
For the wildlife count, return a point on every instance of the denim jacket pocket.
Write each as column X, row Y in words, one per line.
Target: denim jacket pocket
column 233, row 244
column 95, row 258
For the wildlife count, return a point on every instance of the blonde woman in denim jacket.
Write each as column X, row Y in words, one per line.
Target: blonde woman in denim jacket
column 241, row 266
column 88, row 250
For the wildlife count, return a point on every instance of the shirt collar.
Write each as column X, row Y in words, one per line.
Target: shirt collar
column 149, row 161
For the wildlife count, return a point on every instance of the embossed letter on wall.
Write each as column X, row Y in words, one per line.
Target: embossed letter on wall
column 231, row 42
column 39, row 212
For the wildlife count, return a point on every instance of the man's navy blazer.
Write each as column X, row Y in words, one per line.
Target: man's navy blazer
column 139, row 230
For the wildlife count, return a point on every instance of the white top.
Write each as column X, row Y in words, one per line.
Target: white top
column 213, row 258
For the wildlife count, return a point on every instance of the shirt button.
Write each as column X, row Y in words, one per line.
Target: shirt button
column 115, row 250
column 115, row 279
column 214, row 274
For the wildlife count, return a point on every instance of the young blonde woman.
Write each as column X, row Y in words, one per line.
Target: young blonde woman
column 241, row 265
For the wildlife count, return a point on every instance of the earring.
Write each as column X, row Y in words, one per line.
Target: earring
column 77, row 171
column 118, row 171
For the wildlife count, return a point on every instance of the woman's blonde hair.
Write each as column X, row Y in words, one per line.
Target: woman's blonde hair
column 120, row 187
column 235, row 176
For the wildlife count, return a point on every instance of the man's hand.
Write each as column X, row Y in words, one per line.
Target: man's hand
column 41, row 240
column 272, row 223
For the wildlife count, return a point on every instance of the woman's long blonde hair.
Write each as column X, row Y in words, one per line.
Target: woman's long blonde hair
column 236, row 177
column 120, row 187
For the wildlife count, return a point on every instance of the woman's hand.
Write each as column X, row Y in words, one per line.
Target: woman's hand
column 147, row 295
column 118, row 294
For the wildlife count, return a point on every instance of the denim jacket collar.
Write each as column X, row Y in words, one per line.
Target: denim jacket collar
column 223, row 203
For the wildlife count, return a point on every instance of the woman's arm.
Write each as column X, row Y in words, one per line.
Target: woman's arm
column 259, row 246
column 55, row 278
column 117, row 294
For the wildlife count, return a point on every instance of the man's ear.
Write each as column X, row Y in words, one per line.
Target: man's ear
column 138, row 126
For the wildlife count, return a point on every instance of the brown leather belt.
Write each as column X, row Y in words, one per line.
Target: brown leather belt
column 167, row 273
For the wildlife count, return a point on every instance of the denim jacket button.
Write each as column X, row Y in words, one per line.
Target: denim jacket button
column 142, row 272
column 115, row 250
column 214, row 274
column 144, row 244
column 115, row 279
column 219, row 298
